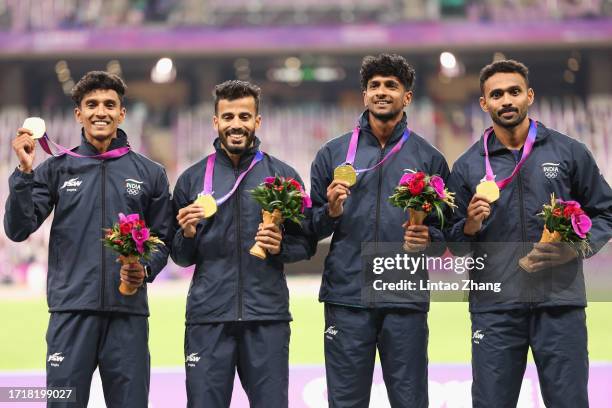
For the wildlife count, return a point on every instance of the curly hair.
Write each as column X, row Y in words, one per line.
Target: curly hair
column 505, row 66
column 387, row 65
column 234, row 89
column 95, row 80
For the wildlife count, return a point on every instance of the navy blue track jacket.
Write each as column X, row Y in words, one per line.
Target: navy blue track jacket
column 368, row 217
column 86, row 196
column 229, row 284
column 557, row 164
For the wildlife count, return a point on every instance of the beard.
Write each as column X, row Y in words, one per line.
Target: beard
column 511, row 123
column 386, row 117
column 233, row 149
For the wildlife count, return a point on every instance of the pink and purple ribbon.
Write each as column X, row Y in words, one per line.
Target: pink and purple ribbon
column 352, row 150
column 529, row 142
column 210, row 169
column 111, row 154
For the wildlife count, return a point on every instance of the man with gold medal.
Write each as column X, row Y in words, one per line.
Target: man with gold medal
column 238, row 305
column 352, row 178
column 501, row 183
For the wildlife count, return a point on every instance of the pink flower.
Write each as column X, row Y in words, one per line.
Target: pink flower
column 581, row 224
column 269, row 180
column 406, row 179
column 438, row 184
column 140, row 236
column 570, row 203
column 306, row 202
column 128, row 218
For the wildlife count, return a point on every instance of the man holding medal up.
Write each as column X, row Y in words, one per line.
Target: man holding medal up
column 238, row 305
column 352, row 178
column 501, row 184
column 92, row 324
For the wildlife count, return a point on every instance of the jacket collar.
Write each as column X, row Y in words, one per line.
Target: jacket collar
column 88, row 149
column 496, row 147
column 398, row 131
column 246, row 157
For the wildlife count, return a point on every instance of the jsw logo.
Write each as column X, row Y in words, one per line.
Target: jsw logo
column 192, row 358
column 73, row 182
column 56, row 357
column 331, row 330
column 477, row 336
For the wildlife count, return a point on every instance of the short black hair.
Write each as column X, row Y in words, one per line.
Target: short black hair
column 94, row 80
column 235, row 89
column 387, row 65
column 504, row 66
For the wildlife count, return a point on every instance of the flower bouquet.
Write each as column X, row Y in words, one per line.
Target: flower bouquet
column 132, row 240
column 281, row 199
column 421, row 194
column 564, row 221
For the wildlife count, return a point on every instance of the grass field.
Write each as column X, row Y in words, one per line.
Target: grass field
column 23, row 322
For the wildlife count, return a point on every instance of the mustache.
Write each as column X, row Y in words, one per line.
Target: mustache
column 506, row 110
column 238, row 132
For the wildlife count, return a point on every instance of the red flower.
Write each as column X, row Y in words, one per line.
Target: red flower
column 125, row 228
column 557, row 212
column 419, row 175
column 426, row 207
column 278, row 188
column 416, row 186
column 295, row 184
column 570, row 210
column 118, row 242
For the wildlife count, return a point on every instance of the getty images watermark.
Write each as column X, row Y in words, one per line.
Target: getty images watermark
column 412, row 264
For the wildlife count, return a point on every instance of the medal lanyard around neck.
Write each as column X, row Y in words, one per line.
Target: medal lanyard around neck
column 529, row 142
column 352, row 149
column 111, row 154
column 210, row 169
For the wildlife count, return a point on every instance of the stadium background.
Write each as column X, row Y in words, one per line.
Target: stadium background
column 306, row 56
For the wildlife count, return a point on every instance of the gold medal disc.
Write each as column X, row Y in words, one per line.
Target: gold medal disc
column 208, row 203
column 488, row 189
column 347, row 173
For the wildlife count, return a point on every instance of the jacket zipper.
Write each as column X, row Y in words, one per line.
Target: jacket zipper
column 103, row 263
column 239, row 248
column 378, row 194
column 523, row 228
column 376, row 221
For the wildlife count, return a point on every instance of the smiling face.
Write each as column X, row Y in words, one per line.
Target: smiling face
column 100, row 112
column 506, row 98
column 236, row 122
column 385, row 97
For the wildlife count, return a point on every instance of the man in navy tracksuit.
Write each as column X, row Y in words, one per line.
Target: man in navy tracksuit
column 238, row 305
column 92, row 324
column 355, row 326
column 544, row 310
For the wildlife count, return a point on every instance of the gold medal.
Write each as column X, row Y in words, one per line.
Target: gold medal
column 489, row 190
column 208, row 203
column 346, row 172
column 36, row 126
